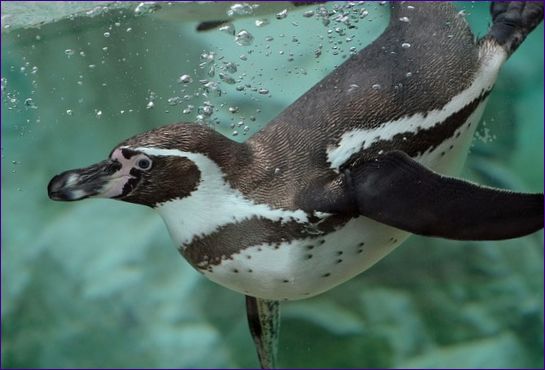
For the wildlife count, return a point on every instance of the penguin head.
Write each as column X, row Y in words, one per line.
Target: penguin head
column 149, row 169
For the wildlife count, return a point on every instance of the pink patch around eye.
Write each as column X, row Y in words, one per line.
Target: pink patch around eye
column 118, row 155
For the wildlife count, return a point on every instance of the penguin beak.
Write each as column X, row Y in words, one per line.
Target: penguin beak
column 83, row 183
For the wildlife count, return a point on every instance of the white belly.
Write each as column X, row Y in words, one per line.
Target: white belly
column 303, row 268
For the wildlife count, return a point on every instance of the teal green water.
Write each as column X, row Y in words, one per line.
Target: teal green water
column 99, row 283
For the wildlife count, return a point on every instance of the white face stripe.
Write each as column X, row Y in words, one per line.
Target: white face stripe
column 359, row 139
column 214, row 203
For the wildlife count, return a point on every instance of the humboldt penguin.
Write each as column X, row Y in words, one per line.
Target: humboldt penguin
column 342, row 176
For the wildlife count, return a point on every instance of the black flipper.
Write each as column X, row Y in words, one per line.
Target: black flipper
column 513, row 21
column 397, row 191
column 210, row 25
column 264, row 322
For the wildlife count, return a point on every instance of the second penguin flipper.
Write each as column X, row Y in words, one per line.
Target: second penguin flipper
column 396, row 190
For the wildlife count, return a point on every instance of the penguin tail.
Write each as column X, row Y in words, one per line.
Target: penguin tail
column 512, row 22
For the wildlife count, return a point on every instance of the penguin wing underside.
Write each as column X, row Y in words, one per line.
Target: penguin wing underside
column 396, row 190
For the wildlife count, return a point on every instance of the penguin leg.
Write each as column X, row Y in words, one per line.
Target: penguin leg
column 513, row 21
column 396, row 190
column 264, row 322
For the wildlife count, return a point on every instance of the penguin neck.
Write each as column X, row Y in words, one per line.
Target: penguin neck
column 232, row 157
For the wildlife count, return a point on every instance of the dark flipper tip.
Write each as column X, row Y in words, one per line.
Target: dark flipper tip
column 209, row 25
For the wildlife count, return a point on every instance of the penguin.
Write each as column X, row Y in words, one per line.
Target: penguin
column 342, row 176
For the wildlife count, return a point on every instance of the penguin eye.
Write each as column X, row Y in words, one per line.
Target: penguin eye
column 144, row 164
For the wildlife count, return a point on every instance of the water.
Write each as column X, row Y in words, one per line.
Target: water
column 99, row 283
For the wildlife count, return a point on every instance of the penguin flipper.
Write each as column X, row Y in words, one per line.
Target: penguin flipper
column 264, row 322
column 210, row 25
column 396, row 190
column 513, row 21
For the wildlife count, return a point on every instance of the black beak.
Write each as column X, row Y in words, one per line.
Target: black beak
column 82, row 183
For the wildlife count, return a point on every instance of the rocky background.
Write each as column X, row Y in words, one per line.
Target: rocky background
column 99, row 283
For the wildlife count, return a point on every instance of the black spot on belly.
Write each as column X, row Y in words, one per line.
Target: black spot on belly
column 235, row 271
column 322, row 241
column 339, row 260
column 442, row 154
column 458, row 134
column 250, row 270
column 450, row 147
column 360, row 250
column 339, row 253
column 309, row 247
column 285, row 281
column 249, row 257
column 361, row 244
column 308, row 256
column 326, row 274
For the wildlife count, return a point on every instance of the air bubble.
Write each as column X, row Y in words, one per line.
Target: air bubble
column 175, row 100
column 211, row 86
column 263, row 91
column 229, row 29
column 352, row 88
column 185, row 79
column 261, row 22
column 30, row 103
column 146, row 7
column 244, row 38
column 230, row 67
column 404, row 19
column 69, row 112
column 376, row 87
column 106, row 34
column 240, row 9
column 283, row 14
column 227, row 79
column 69, row 52
column 405, row 45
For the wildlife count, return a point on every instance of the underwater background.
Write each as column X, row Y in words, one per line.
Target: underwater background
column 100, row 284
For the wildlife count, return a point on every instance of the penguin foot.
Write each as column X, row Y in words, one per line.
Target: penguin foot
column 264, row 322
column 513, row 21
